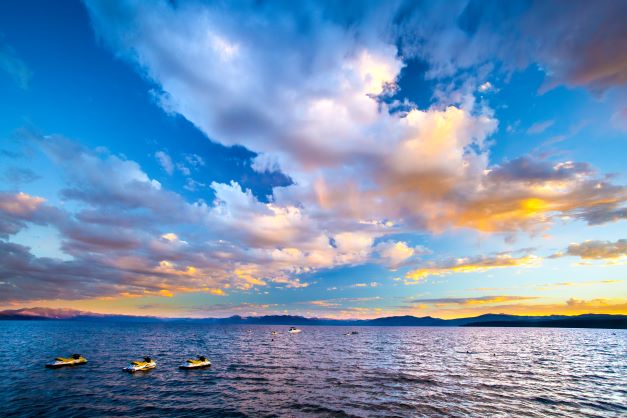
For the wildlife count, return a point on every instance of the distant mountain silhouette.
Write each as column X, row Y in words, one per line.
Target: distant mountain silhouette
column 487, row 320
column 554, row 321
column 73, row 314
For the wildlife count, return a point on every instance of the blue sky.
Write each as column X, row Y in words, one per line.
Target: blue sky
column 368, row 159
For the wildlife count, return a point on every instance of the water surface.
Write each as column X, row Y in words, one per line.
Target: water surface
column 382, row 371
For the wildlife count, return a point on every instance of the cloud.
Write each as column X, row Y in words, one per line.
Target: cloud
column 17, row 210
column 20, row 176
column 290, row 283
column 596, row 250
column 195, row 160
column 15, row 67
column 486, row 87
column 539, row 127
column 396, row 253
column 604, row 213
column 20, row 204
column 229, row 309
column 619, row 119
column 577, row 284
column 571, row 306
column 307, row 88
column 340, row 304
column 425, row 169
column 582, row 46
column 471, row 265
column 371, row 284
column 325, row 303
column 133, row 237
column 528, row 170
column 480, row 300
column 165, row 161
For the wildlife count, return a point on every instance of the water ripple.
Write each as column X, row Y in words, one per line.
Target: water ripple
column 321, row 372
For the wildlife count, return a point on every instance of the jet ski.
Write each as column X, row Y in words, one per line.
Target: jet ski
column 274, row 333
column 200, row 363
column 137, row 366
column 73, row 360
column 352, row 333
column 293, row 330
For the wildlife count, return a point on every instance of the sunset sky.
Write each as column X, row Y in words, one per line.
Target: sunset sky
column 332, row 159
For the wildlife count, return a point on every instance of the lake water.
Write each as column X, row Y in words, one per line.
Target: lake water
column 319, row 372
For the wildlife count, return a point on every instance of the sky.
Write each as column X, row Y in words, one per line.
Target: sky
column 352, row 159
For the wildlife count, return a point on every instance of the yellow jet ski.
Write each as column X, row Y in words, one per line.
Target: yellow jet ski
column 137, row 366
column 200, row 363
column 73, row 360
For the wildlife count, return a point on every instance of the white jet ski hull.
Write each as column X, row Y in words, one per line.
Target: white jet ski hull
column 58, row 364
column 132, row 368
column 189, row 366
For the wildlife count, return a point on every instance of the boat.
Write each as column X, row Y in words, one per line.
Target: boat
column 137, row 366
column 293, row 330
column 73, row 360
column 352, row 333
column 274, row 333
column 198, row 363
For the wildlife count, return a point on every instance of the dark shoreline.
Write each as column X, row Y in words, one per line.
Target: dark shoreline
column 603, row 321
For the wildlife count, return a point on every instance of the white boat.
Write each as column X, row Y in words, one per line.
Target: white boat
column 352, row 333
column 293, row 330
column 199, row 363
column 137, row 366
column 73, row 360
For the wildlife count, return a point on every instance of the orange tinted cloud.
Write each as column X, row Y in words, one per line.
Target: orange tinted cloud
column 19, row 204
column 571, row 306
column 470, row 265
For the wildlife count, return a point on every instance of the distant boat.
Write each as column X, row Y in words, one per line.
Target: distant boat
column 73, row 360
column 137, row 366
column 352, row 333
column 293, row 330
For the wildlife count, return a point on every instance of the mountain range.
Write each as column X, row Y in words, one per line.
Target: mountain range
column 486, row 320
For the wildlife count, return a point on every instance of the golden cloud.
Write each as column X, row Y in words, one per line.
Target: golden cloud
column 471, row 265
column 19, row 204
column 571, row 306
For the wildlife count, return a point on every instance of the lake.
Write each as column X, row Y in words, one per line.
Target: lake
column 382, row 371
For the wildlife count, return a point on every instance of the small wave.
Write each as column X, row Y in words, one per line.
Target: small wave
column 319, row 409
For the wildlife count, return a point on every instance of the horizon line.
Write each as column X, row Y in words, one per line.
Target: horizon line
column 86, row 313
